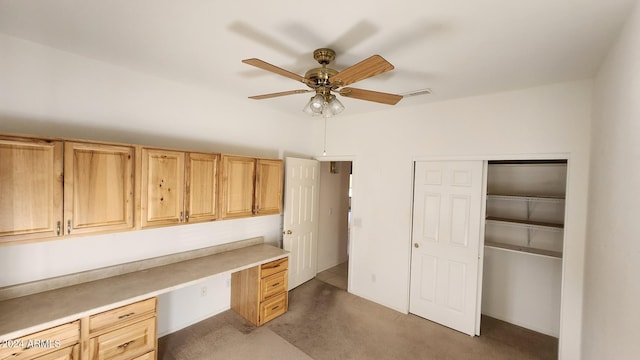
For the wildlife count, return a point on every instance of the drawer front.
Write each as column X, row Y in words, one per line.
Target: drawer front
column 147, row 356
column 273, row 285
column 125, row 343
column 273, row 307
column 273, row 267
column 122, row 315
column 69, row 353
column 41, row 342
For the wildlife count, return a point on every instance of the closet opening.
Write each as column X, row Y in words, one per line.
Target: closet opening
column 523, row 243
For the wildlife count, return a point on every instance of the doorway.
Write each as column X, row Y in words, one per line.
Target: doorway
column 334, row 214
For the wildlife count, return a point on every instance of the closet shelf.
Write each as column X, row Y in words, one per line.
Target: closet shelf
column 529, row 224
column 526, row 249
column 537, row 198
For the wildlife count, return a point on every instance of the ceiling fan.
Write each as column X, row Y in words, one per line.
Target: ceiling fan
column 325, row 81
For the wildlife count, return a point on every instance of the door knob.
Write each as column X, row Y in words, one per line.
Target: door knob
column 416, row 245
column 289, row 232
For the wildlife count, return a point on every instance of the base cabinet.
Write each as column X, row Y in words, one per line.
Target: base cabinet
column 125, row 333
column 259, row 294
column 125, row 343
column 68, row 353
column 59, row 342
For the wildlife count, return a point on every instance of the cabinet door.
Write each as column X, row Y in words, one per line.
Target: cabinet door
column 30, row 189
column 162, row 193
column 202, row 187
column 125, row 343
column 68, row 353
column 269, row 175
column 98, row 187
column 238, row 177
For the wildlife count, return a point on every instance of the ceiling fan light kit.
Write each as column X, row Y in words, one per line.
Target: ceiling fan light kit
column 325, row 105
column 324, row 80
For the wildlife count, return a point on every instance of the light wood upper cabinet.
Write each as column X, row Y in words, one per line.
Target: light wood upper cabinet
column 238, row 186
column 31, row 189
column 269, row 186
column 250, row 186
column 98, row 187
column 52, row 187
column 178, row 187
column 162, row 187
column 202, row 187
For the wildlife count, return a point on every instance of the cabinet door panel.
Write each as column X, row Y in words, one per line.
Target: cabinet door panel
column 124, row 343
column 162, row 195
column 43, row 342
column 98, row 187
column 30, row 189
column 238, row 176
column 202, row 187
column 269, row 186
column 68, row 353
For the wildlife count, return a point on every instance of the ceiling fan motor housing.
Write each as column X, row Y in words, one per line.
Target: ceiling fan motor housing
column 324, row 55
column 320, row 76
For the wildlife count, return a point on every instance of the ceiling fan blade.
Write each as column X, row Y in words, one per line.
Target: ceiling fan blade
column 283, row 93
column 274, row 69
column 366, row 68
column 369, row 95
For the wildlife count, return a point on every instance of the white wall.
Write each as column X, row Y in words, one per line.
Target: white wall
column 547, row 119
column 50, row 92
column 333, row 213
column 612, row 276
column 522, row 289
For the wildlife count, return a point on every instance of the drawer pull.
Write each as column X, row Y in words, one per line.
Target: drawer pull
column 124, row 346
column 276, row 284
column 275, row 307
column 125, row 315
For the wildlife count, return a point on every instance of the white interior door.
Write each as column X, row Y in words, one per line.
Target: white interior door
column 446, row 242
column 300, row 237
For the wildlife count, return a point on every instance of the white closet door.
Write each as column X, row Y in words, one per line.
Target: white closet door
column 446, row 242
column 302, row 182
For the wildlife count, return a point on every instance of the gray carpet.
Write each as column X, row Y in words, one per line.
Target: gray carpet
column 324, row 322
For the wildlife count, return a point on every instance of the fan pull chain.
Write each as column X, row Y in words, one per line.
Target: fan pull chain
column 324, row 148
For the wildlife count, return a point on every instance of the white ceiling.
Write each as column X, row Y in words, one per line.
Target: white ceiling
column 455, row 47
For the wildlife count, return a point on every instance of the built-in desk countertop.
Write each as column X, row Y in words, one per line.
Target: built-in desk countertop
column 27, row 314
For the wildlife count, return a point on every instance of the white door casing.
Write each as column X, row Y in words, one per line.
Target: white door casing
column 446, row 242
column 300, row 227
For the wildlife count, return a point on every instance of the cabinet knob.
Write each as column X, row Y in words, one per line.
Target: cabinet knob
column 416, row 245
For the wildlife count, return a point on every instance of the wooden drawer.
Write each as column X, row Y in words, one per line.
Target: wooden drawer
column 122, row 315
column 273, row 267
column 273, row 307
column 40, row 343
column 126, row 343
column 147, row 356
column 273, row 285
column 69, row 353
